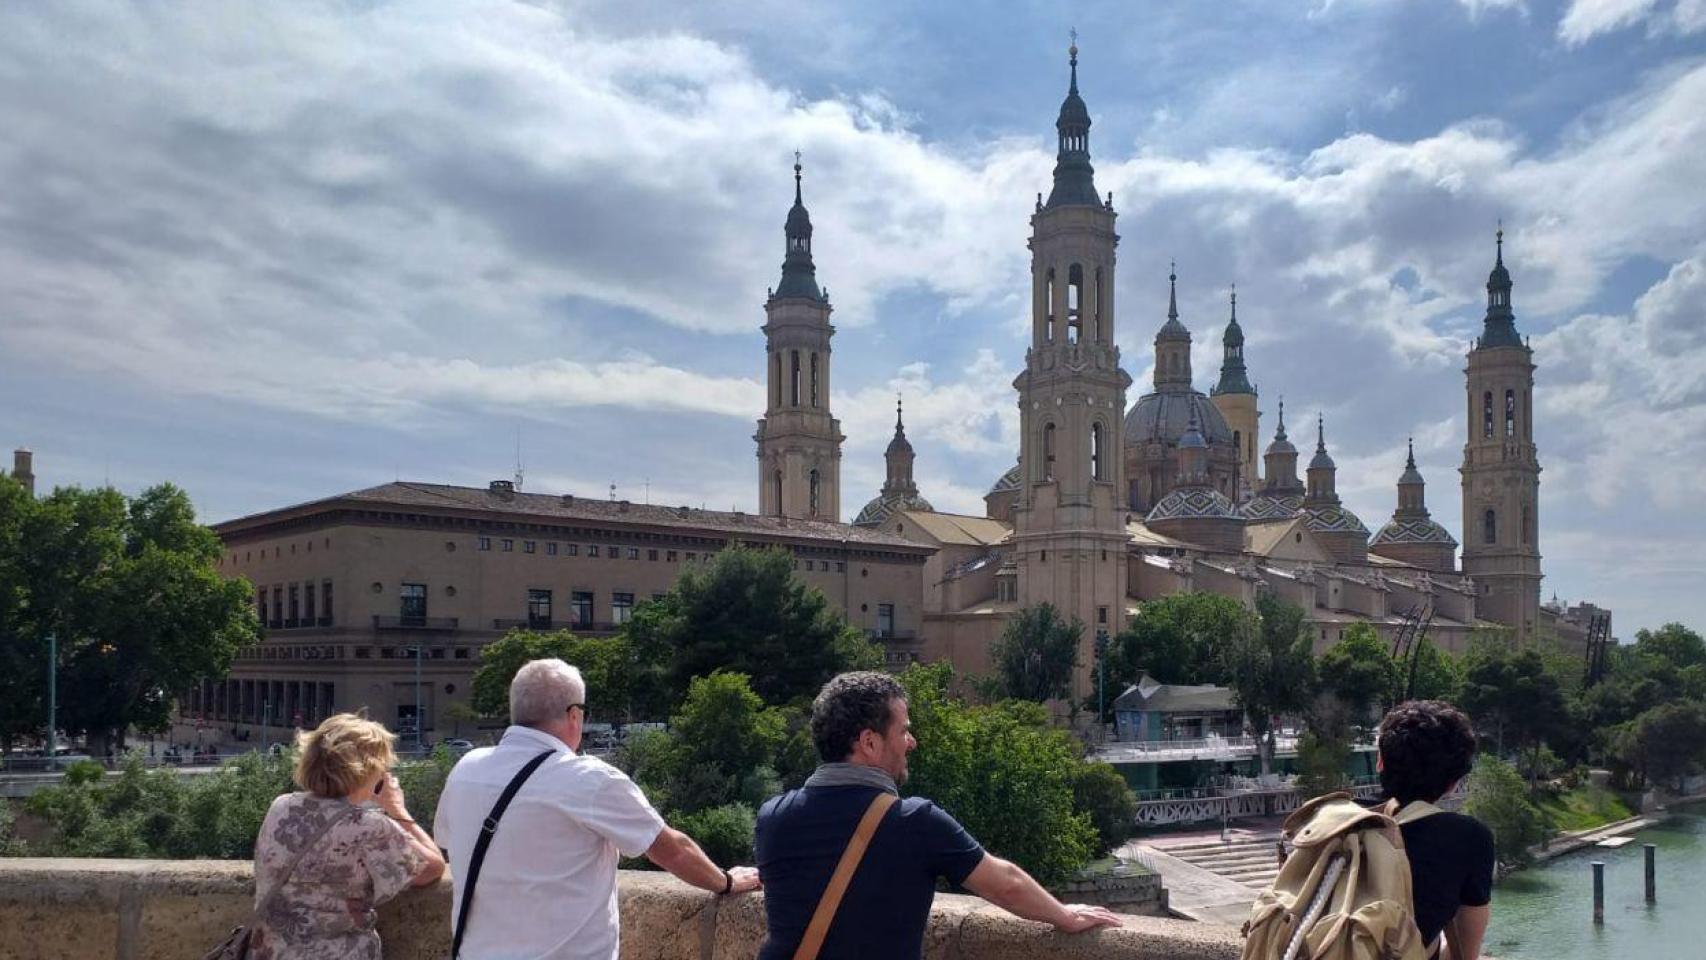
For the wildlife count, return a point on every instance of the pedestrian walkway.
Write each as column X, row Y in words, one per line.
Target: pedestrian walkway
column 1209, row 878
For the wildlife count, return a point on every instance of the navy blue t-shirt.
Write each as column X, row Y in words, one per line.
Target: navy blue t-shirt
column 800, row 837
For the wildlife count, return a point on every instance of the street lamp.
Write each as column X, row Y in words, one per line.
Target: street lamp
column 52, row 700
column 1102, row 680
column 418, row 721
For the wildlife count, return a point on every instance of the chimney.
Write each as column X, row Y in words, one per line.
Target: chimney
column 502, row 489
column 23, row 462
column 622, row 507
column 568, row 499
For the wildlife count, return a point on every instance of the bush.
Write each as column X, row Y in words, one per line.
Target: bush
column 724, row 833
column 1499, row 798
column 1321, row 762
column 1100, row 792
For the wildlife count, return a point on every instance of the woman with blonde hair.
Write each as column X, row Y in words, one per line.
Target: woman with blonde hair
column 328, row 855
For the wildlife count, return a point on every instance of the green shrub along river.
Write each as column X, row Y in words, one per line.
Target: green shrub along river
column 1546, row 911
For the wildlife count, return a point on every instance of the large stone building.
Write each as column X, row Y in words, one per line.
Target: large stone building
column 1106, row 508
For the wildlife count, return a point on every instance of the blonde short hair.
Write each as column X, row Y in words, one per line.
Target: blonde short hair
column 344, row 750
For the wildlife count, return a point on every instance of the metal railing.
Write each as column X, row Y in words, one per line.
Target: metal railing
column 876, row 634
column 414, row 623
column 528, row 623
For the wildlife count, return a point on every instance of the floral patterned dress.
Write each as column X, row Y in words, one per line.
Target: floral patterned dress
column 326, row 909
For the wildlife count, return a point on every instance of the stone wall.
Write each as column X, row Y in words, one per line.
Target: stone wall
column 169, row 910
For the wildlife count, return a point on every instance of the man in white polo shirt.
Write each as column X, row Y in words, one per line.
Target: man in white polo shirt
column 546, row 887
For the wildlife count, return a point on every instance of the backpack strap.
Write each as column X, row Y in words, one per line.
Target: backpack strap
column 824, row 915
column 1415, row 810
column 489, row 829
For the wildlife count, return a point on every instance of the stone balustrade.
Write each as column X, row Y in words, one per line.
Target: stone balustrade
column 170, row 910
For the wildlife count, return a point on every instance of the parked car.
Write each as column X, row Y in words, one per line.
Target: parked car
column 457, row 746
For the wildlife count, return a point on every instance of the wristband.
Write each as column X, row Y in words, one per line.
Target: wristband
column 728, row 882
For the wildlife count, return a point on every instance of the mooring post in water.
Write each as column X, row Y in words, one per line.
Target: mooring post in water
column 1598, row 891
column 1652, row 879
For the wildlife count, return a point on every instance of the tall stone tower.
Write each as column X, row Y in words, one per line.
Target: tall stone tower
column 799, row 443
column 1235, row 398
column 1501, row 471
column 1069, row 533
column 23, row 470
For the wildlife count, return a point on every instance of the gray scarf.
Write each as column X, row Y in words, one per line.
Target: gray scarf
column 851, row 775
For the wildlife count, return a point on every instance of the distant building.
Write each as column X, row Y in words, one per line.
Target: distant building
column 1151, row 710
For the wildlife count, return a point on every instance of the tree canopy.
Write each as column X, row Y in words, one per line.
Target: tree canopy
column 1272, row 669
column 744, row 612
column 130, row 589
column 605, row 663
column 1359, row 671
column 1036, row 654
column 1182, row 638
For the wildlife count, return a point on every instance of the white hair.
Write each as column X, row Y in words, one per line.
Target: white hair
column 543, row 690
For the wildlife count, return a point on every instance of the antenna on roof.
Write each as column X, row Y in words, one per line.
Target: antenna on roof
column 519, row 471
column 648, row 483
column 612, row 490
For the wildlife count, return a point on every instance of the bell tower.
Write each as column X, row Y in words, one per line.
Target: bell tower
column 1069, row 532
column 1235, row 398
column 799, row 442
column 1501, row 469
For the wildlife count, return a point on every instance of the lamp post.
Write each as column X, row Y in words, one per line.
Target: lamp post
column 419, row 723
column 1101, row 680
column 52, row 700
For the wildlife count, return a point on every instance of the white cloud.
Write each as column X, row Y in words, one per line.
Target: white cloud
column 1586, row 19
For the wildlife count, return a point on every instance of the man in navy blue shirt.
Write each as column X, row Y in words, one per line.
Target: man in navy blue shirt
column 860, row 727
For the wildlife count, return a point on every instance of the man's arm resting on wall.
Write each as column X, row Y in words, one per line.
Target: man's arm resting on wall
column 676, row 852
column 1463, row 935
column 1012, row 889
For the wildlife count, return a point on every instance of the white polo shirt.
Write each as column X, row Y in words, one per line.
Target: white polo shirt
column 547, row 889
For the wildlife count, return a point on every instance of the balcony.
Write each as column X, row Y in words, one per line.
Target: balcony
column 530, row 623
column 437, row 624
column 892, row 636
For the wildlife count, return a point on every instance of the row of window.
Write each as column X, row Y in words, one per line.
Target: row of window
column 1096, row 454
column 1487, row 414
column 612, row 551
column 305, row 604
column 797, row 390
column 1075, row 306
column 1490, row 526
column 278, row 551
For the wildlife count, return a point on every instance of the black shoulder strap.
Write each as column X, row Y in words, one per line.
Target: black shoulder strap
column 487, row 831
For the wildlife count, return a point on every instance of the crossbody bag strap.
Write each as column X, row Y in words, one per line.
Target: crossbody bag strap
column 488, row 829
column 290, row 868
column 830, row 902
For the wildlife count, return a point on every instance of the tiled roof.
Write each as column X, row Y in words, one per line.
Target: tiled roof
column 447, row 498
column 961, row 529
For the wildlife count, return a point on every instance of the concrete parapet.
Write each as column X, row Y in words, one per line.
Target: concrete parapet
column 54, row 909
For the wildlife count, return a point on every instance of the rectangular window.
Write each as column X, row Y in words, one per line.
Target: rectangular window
column 308, row 604
column 550, row 549
column 580, row 608
column 592, row 549
column 485, row 543
column 840, row 566
column 461, row 653
column 621, row 608
column 659, row 596
column 261, row 605
column 571, row 549
column 295, row 617
column 277, row 608
column 507, row 545
column 691, row 556
column 652, row 555
column 326, row 599
column 885, row 619
column 670, row 556
column 614, row 553
column 412, row 605
column 633, row 553
column 539, row 609
column 529, row 546
column 364, row 653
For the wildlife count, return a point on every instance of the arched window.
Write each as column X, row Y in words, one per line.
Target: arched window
column 776, row 379
column 1510, row 413
column 776, row 492
column 1048, row 452
column 1048, row 307
column 794, row 378
column 814, row 379
column 1096, row 332
column 1096, row 451
column 813, row 494
column 1074, row 303
column 1487, row 415
column 1527, row 534
column 1489, row 528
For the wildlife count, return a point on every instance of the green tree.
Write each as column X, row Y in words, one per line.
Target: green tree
column 1002, row 771
column 1036, row 654
column 1437, row 675
column 23, row 657
column 1670, row 741
column 1498, row 798
column 1672, row 643
column 132, row 591
column 1272, row 669
column 745, row 612
column 726, row 741
column 725, row 833
column 1182, row 638
column 605, row 663
column 1099, row 791
column 1512, row 692
column 1359, row 671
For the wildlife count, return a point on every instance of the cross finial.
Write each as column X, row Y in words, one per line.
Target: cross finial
column 1235, row 301
column 1499, row 236
column 1410, row 459
column 797, row 176
column 897, row 426
column 1073, row 33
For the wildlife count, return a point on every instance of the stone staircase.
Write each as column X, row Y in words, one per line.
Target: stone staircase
column 1247, row 858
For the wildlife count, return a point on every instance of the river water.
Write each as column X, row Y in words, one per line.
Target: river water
column 1546, row 912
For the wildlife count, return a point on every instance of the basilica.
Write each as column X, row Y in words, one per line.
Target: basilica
column 1112, row 503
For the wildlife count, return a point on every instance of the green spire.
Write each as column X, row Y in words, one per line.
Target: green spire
column 799, row 275
column 1074, row 178
column 1499, row 329
column 1233, row 377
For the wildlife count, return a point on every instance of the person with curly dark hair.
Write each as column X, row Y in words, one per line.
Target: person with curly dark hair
column 849, row 869
column 1426, row 747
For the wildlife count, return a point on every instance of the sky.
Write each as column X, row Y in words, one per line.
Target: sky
column 274, row 252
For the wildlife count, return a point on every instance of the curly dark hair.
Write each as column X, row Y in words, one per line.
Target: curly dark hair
column 1425, row 747
column 848, row 705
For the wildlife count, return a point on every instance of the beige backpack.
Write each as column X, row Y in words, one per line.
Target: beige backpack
column 1344, row 892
